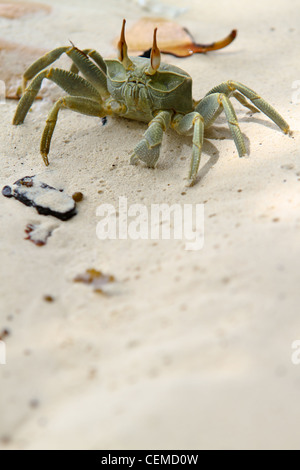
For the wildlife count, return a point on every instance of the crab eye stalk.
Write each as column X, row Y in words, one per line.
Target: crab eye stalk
column 155, row 56
column 122, row 50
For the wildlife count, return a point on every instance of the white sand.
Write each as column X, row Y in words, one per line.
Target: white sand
column 191, row 349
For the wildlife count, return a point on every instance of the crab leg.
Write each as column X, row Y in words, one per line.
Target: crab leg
column 96, row 57
column 41, row 64
column 230, row 86
column 94, row 74
column 148, row 148
column 70, row 82
column 210, row 108
column 75, row 103
column 241, row 99
column 192, row 123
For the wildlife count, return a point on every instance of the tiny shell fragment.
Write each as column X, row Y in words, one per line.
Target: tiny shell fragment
column 172, row 38
column 46, row 199
column 39, row 233
column 14, row 10
column 96, row 278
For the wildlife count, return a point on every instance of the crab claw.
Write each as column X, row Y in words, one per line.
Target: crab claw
column 155, row 56
column 122, row 49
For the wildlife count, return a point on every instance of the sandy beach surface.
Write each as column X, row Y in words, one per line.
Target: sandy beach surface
column 184, row 349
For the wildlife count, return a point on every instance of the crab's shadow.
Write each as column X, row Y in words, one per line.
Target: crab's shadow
column 182, row 145
column 224, row 133
column 250, row 117
column 218, row 131
column 214, row 133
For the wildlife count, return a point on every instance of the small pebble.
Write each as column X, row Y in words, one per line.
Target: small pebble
column 77, row 197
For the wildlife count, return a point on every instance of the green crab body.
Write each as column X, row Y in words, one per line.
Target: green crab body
column 144, row 95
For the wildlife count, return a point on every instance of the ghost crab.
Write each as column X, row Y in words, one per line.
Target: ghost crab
column 142, row 89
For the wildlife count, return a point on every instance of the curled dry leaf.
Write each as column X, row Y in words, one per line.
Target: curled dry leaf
column 14, row 10
column 172, row 38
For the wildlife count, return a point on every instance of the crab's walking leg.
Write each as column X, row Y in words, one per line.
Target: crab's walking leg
column 210, row 108
column 70, row 82
column 75, row 103
column 94, row 74
column 41, row 64
column 148, row 148
column 230, row 86
column 192, row 123
column 96, row 58
column 241, row 99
